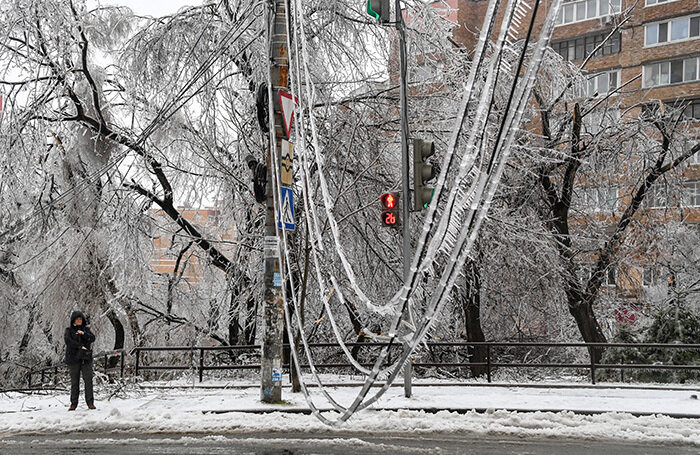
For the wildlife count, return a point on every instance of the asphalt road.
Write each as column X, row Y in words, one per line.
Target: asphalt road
column 322, row 443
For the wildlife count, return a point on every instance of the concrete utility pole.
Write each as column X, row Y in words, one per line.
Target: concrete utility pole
column 405, row 159
column 273, row 310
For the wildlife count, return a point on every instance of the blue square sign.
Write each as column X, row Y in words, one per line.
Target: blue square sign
column 285, row 216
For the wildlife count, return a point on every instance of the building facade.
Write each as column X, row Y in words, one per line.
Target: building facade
column 645, row 54
column 173, row 252
column 655, row 50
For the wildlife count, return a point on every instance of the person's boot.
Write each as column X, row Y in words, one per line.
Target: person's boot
column 91, row 406
column 72, row 407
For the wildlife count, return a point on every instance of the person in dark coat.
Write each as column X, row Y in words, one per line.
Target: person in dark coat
column 78, row 339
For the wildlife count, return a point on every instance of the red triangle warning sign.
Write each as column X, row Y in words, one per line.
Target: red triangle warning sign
column 288, row 104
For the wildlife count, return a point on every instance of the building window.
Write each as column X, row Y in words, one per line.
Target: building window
column 658, row 2
column 691, row 194
column 696, row 226
column 610, row 277
column 597, row 199
column 424, row 72
column 673, row 72
column 580, row 48
column 602, row 83
column 213, row 220
column 678, row 29
column 656, row 197
column 582, row 10
column 692, row 111
column 695, row 158
column 651, row 276
column 598, row 120
column 649, row 111
column 597, row 84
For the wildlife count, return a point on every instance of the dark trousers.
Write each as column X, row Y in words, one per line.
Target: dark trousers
column 75, row 370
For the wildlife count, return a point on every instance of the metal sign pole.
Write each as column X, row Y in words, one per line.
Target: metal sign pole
column 273, row 311
column 403, row 73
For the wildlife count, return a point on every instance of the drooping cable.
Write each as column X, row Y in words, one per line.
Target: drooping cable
column 370, row 380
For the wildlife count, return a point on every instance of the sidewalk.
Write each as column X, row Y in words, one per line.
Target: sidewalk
column 456, row 397
column 591, row 412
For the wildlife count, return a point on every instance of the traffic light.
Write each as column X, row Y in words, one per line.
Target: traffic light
column 259, row 177
column 379, row 9
column 390, row 209
column 422, row 173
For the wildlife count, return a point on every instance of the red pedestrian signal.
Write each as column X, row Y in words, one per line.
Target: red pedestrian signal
column 390, row 209
column 389, row 200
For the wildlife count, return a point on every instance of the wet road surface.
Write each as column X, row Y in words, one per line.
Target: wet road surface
column 322, row 443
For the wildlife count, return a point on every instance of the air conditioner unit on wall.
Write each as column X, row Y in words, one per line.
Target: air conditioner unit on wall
column 606, row 20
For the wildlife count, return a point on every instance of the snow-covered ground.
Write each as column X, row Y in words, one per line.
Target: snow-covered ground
column 150, row 410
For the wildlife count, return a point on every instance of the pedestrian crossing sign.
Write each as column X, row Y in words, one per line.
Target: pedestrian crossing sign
column 285, row 216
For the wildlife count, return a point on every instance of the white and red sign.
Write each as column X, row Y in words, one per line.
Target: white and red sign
column 288, row 104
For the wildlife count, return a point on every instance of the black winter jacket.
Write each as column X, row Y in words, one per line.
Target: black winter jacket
column 74, row 340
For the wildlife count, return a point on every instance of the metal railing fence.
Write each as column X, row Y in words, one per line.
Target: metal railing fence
column 498, row 355
column 112, row 362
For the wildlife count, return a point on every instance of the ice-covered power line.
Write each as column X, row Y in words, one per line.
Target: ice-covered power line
column 452, row 231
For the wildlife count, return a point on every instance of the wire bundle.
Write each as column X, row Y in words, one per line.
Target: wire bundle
column 451, row 230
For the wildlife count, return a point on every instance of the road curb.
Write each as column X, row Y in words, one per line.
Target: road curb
column 444, row 384
column 590, row 412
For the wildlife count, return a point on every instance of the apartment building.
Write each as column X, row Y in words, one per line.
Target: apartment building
column 172, row 251
column 655, row 56
column 656, row 46
column 651, row 60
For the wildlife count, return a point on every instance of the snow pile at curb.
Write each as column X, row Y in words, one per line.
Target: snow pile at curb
column 173, row 413
column 659, row 429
